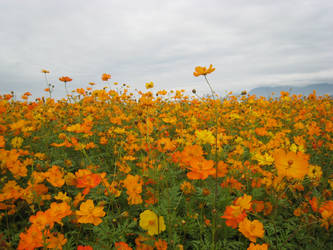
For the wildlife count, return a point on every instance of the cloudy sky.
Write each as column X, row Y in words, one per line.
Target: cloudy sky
column 250, row 43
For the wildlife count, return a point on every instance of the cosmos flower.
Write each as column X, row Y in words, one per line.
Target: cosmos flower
column 151, row 222
column 203, row 70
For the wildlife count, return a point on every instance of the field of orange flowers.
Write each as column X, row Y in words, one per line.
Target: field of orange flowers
column 108, row 169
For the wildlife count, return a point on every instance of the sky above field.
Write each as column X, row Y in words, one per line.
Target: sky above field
column 250, row 43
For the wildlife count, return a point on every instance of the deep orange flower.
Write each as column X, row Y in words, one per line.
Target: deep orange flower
column 201, row 169
column 161, row 245
column 65, row 79
column 106, row 77
column 122, row 246
column 314, row 204
column 326, row 211
column 80, row 247
column 203, row 71
column 233, row 215
column 88, row 181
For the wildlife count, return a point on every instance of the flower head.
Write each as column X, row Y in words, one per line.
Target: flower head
column 88, row 213
column 65, row 79
column 106, row 77
column 203, row 70
column 151, row 222
column 251, row 229
column 149, row 85
column 291, row 164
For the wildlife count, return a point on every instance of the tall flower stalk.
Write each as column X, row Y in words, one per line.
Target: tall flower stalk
column 66, row 79
column 204, row 71
column 49, row 87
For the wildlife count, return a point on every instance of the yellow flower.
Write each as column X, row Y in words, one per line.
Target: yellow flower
column 88, row 213
column 315, row 172
column 17, row 142
column 203, row 71
column 149, row 85
column 45, row 71
column 262, row 160
column 205, row 136
column 149, row 221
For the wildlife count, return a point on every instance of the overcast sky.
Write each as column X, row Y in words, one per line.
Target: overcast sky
column 250, row 43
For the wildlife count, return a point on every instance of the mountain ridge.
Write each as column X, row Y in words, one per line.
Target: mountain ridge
column 320, row 88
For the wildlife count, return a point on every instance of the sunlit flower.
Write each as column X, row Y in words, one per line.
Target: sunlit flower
column 291, row 164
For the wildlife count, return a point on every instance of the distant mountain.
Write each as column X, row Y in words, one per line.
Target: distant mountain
column 321, row 89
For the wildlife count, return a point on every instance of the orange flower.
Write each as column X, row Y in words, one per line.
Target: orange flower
column 88, row 181
column 31, row 239
column 187, row 188
column 65, row 79
column 291, row 164
column 326, row 211
column 133, row 185
column 56, row 241
column 57, row 211
column 84, row 247
column 244, row 202
column 55, row 176
column 106, row 77
column 88, row 213
column 257, row 246
column 122, row 246
column 314, row 204
column 258, row 206
column 233, row 215
column 161, row 245
column 201, row 169
column 203, row 71
column 261, row 131
column 222, row 169
column 41, row 220
column 251, row 229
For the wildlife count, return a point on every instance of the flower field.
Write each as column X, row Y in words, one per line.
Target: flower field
column 110, row 169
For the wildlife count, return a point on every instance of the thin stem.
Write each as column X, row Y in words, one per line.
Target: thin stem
column 48, row 85
column 216, row 165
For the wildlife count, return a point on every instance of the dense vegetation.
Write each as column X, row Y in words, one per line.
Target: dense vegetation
column 104, row 169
